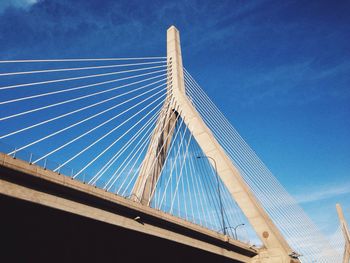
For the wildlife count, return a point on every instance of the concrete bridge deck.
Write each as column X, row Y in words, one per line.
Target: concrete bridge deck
column 27, row 187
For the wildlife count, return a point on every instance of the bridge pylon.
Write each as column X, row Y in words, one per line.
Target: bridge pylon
column 275, row 247
column 345, row 230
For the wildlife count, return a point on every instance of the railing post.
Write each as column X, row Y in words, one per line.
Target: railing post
column 45, row 161
column 14, row 153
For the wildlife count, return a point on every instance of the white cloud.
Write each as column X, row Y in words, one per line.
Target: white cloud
column 322, row 194
column 22, row 4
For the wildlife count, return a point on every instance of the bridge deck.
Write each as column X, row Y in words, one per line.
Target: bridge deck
column 32, row 183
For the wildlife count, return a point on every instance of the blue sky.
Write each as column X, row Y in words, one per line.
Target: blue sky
column 279, row 71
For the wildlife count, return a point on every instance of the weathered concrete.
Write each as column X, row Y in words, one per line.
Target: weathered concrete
column 32, row 183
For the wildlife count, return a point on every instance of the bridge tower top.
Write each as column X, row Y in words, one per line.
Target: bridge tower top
column 174, row 58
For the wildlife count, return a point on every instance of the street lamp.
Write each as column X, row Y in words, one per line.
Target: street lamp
column 235, row 229
column 220, row 201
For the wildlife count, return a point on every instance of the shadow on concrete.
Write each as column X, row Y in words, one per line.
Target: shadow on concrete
column 33, row 233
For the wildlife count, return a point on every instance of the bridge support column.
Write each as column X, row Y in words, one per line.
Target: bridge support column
column 345, row 229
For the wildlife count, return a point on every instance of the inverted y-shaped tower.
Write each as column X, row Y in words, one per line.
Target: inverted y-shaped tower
column 275, row 249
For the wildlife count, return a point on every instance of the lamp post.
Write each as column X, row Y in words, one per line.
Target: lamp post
column 235, row 229
column 219, row 194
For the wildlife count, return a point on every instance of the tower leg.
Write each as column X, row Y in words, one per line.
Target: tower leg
column 156, row 155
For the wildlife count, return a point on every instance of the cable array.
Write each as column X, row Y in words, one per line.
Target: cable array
column 337, row 241
column 188, row 187
column 299, row 230
column 96, row 118
column 95, row 127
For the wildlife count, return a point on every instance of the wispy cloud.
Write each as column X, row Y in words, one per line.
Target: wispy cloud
column 291, row 82
column 326, row 193
column 22, row 4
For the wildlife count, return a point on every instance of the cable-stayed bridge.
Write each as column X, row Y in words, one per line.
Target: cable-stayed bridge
column 137, row 143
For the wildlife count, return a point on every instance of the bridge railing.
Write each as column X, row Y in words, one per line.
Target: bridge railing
column 46, row 163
